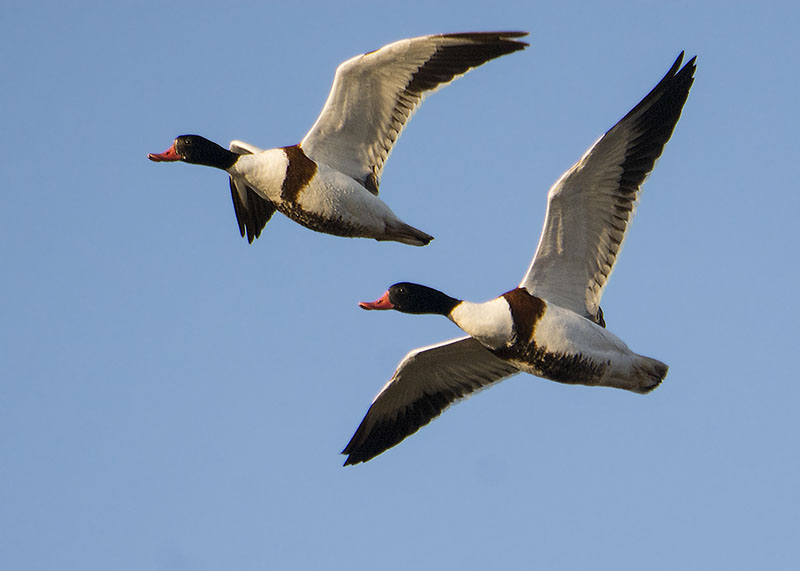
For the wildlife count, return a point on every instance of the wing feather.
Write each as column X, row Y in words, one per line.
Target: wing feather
column 375, row 94
column 590, row 207
column 252, row 211
column 426, row 382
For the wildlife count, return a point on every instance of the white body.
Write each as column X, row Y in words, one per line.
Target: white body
column 345, row 206
column 563, row 346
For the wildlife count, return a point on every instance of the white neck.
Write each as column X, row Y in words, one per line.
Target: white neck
column 489, row 322
column 264, row 171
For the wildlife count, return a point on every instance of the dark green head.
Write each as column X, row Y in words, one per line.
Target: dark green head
column 413, row 298
column 196, row 150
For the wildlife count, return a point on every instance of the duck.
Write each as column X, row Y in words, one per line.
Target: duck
column 551, row 325
column 329, row 181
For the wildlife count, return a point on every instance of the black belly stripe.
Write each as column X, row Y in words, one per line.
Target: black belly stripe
column 334, row 226
column 299, row 173
column 573, row 369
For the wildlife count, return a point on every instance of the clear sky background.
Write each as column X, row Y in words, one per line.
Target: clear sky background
column 174, row 398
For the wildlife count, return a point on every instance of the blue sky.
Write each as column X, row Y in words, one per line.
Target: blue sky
column 172, row 398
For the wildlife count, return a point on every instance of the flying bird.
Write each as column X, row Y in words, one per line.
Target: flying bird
column 551, row 325
column 329, row 181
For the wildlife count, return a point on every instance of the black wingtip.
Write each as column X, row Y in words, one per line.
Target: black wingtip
column 374, row 437
column 677, row 64
column 653, row 120
column 486, row 36
column 352, row 458
column 355, row 456
column 252, row 214
column 677, row 70
column 689, row 67
column 691, row 64
column 673, row 87
column 501, row 39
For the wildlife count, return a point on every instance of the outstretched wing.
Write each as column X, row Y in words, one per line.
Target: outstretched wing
column 426, row 382
column 252, row 211
column 589, row 209
column 375, row 94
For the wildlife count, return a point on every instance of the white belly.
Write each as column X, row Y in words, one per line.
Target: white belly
column 563, row 331
column 335, row 196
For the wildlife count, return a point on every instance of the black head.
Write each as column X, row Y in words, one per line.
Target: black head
column 413, row 298
column 197, row 150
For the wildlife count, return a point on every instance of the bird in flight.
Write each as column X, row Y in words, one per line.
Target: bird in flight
column 329, row 181
column 551, row 325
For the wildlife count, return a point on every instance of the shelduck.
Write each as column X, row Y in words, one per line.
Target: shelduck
column 551, row 325
column 329, row 181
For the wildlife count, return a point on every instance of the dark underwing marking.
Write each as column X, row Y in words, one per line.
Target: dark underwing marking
column 653, row 120
column 299, row 173
column 448, row 61
column 379, row 432
column 368, row 442
column 648, row 127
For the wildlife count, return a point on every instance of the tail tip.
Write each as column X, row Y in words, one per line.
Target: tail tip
column 406, row 234
column 653, row 373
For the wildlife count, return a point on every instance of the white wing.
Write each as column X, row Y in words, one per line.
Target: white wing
column 374, row 95
column 591, row 206
column 252, row 211
column 426, row 382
